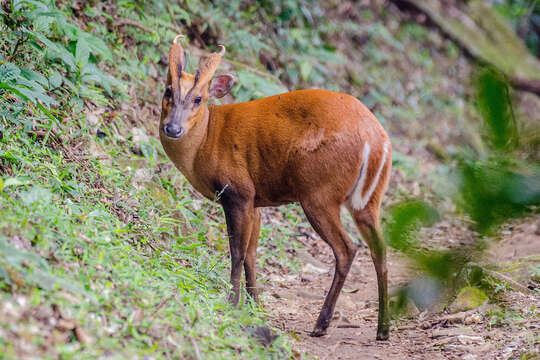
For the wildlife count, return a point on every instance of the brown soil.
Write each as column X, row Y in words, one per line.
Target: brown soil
column 295, row 300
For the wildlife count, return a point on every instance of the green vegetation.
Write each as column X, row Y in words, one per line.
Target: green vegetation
column 525, row 17
column 491, row 188
column 90, row 222
column 105, row 250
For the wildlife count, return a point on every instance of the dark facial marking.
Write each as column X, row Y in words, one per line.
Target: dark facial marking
column 179, row 70
column 168, row 92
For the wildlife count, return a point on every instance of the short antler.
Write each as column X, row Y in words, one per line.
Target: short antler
column 177, row 63
column 222, row 52
column 175, row 41
column 207, row 70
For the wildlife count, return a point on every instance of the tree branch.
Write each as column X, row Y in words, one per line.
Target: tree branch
column 129, row 22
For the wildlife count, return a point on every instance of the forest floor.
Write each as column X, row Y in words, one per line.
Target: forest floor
column 139, row 232
column 293, row 294
column 493, row 331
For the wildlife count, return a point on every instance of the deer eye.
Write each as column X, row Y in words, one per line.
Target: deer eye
column 168, row 92
column 197, row 100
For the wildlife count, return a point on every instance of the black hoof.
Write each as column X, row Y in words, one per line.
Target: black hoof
column 317, row 332
column 383, row 335
column 234, row 299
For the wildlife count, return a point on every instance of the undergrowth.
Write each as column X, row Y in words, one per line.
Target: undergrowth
column 105, row 250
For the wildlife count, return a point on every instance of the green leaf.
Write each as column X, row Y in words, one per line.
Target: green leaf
column 35, row 95
column 258, row 86
column 13, row 181
column 97, row 46
column 23, row 96
column 32, row 75
column 305, row 70
column 55, row 79
column 8, row 72
column 91, row 73
column 42, row 20
column 36, row 195
column 56, row 51
column 82, row 52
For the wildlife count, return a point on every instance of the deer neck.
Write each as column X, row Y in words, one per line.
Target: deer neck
column 184, row 150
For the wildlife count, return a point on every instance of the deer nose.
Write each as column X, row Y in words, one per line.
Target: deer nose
column 173, row 130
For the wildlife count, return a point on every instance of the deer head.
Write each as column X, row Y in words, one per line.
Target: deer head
column 185, row 97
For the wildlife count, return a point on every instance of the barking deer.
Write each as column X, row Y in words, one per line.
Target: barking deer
column 319, row 148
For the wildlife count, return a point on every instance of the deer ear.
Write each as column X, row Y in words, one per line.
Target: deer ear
column 221, row 85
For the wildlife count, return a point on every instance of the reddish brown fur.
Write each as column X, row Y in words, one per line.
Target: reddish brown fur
column 302, row 146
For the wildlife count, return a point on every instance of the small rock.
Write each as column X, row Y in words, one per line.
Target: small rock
column 100, row 134
column 425, row 292
column 43, row 313
column 306, row 278
column 437, row 333
column 139, row 135
column 425, row 325
column 310, row 268
column 468, row 339
column 142, row 176
column 473, row 319
column 92, row 119
column 468, row 298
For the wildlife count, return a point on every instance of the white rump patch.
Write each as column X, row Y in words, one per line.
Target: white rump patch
column 357, row 200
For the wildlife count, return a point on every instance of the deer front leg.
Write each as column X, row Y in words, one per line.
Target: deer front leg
column 251, row 257
column 240, row 215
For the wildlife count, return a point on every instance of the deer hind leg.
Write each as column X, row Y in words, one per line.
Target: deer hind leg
column 251, row 256
column 325, row 219
column 367, row 221
column 370, row 230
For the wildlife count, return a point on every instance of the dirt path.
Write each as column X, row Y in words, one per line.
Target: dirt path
column 294, row 301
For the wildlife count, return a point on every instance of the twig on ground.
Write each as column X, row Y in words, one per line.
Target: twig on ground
column 513, row 284
column 348, row 326
column 129, row 22
column 162, row 303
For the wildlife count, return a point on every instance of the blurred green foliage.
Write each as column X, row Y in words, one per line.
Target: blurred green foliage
column 493, row 101
column 525, row 16
column 492, row 188
column 83, row 229
column 407, row 217
column 497, row 186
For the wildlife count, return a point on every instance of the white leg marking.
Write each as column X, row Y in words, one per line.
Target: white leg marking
column 359, row 201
